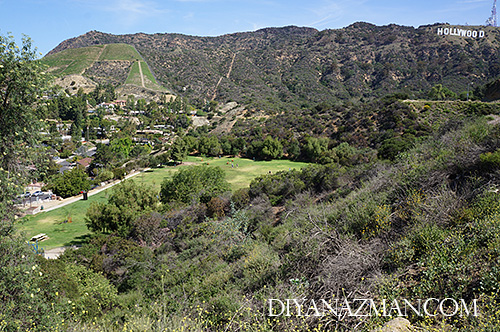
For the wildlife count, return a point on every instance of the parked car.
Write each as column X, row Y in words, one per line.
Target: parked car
column 38, row 193
column 27, row 194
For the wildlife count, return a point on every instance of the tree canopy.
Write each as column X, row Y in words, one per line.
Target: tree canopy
column 194, row 184
column 128, row 201
column 71, row 183
column 21, row 83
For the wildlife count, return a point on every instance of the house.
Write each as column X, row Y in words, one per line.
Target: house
column 120, row 103
column 85, row 162
column 64, row 166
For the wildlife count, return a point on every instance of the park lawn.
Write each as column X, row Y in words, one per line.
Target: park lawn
column 52, row 223
column 239, row 173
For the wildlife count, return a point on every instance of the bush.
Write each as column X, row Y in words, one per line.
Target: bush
column 119, row 173
column 491, row 159
column 94, row 294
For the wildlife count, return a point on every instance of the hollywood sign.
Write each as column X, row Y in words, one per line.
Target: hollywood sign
column 460, row 32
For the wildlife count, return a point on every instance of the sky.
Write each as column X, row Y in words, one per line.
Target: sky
column 49, row 22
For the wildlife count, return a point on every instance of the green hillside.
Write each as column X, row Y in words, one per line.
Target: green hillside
column 119, row 52
column 134, row 76
column 72, row 61
column 116, row 64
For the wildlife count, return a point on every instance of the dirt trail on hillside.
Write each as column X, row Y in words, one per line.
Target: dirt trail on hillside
column 227, row 76
column 140, row 72
column 231, row 66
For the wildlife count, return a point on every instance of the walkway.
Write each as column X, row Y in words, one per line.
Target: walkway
column 52, row 205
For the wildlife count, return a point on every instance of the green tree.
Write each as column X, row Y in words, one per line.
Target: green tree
column 70, row 183
column 21, row 84
column 192, row 143
column 440, row 92
column 131, row 102
column 24, row 293
column 293, row 149
column 104, row 155
column 76, row 133
column 127, row 202
column 179, row 150
column 194, row 184
column 121, row 147
column 209, row 145
column 314, row 148
column 271, row 148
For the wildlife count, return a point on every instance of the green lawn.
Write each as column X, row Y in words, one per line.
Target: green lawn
column 62, row 234
column 52, row 223
column 239, row 171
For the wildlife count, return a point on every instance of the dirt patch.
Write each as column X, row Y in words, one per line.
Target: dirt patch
column 114, row 72
column 74, row 82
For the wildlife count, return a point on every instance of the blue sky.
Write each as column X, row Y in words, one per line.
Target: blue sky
column 48, row 22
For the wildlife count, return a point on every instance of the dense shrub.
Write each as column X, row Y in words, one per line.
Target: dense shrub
column 284, row 185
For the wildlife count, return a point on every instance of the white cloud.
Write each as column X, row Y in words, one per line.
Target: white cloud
column 120, row 7
column 332, row 11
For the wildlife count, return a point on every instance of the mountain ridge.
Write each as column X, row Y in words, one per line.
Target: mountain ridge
column 279, row 68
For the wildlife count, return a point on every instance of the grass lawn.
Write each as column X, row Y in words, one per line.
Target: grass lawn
column 52, row 223
column 239, row 171
column 63, row 234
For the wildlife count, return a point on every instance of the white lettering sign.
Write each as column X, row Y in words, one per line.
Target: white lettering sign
column 460, row 32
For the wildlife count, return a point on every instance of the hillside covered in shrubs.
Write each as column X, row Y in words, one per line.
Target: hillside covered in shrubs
column 291, row 67
column 424, row 225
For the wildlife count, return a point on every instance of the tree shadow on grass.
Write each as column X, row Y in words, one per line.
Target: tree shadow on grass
column 79, row 240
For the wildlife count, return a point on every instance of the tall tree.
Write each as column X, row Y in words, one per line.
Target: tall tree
column 179, row 150
column 21, row 84
column 127, row 202
column 22, row 292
